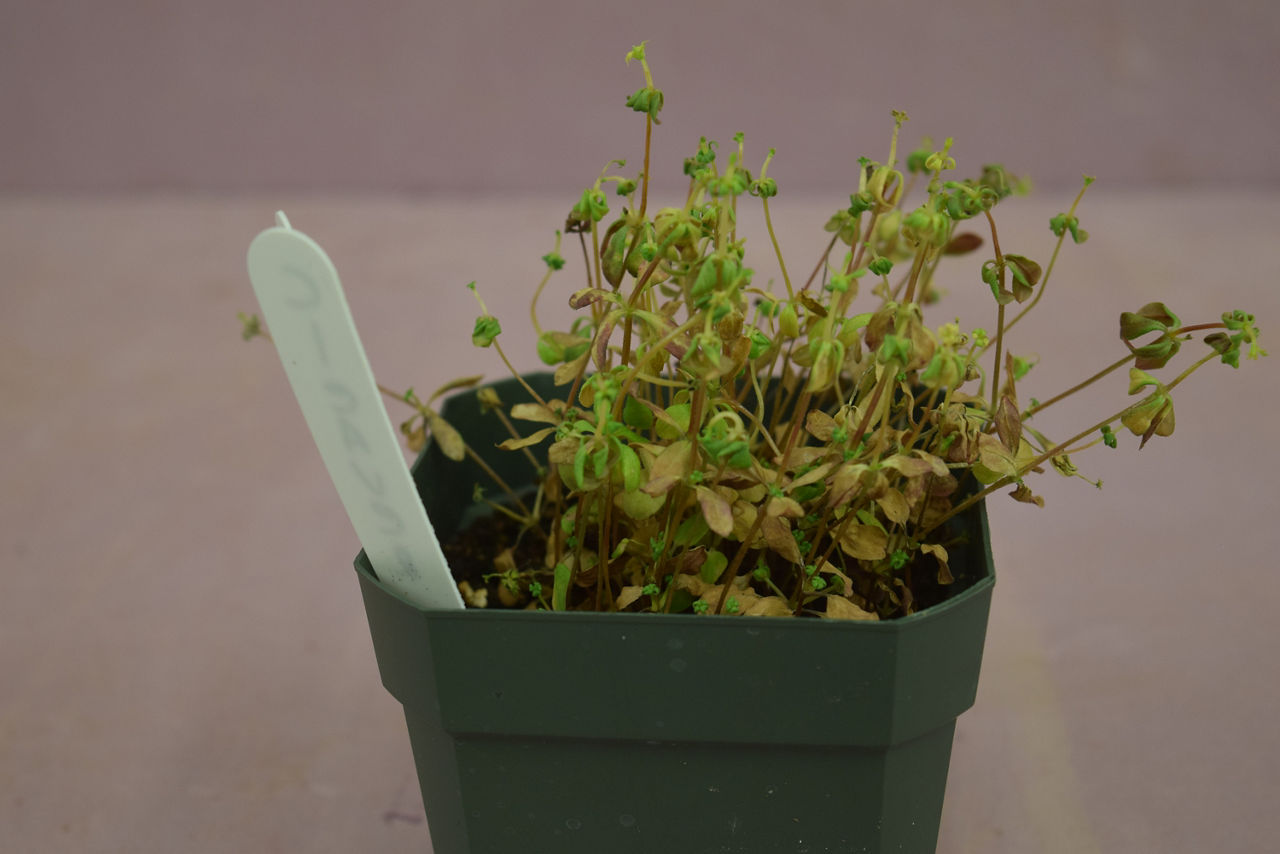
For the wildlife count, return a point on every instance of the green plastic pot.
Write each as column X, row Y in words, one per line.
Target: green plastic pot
column 577, row 733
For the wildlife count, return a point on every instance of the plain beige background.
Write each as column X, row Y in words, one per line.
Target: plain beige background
column 184, row 661
column 398, row 95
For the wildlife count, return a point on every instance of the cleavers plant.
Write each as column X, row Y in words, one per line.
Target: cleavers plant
column 721, row 448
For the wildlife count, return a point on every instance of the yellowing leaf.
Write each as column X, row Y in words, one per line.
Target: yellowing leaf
column 669, row 467
column 532, row 439
column 638, row 504
column 534, row 412
column 461, row 382
column 995, row 456
column 569, row 370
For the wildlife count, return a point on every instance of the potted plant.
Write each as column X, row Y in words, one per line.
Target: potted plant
column 728, row 559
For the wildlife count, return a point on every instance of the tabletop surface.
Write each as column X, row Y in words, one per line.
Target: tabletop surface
column 185, row 660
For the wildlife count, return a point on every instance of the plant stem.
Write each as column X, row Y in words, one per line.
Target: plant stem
column 995, row 370
column 738, row 557
column 1053, row 259
column 644, row 177
column 777, row 250
column 821, row 261
column 1077, row 387
column 916, row 264
column 1052, row 452
column 533, row 304
column 516, row 374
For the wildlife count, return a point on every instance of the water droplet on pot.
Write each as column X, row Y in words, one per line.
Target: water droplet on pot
column 675, row 644
column 574, row 824
column 626, row 820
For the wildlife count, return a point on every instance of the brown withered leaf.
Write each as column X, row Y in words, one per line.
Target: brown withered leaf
column 1024, row 494
column 844, row 483
column 820, row 425
column 783, row 506
column 710, row 593
column 415, row 437
column 689, row 562
column 894, row 505
column 840, row 608
column 449, row 439
column 769, row 606
column 962, row 244
column 627, row 596
column 715, row 509
column 828, row 568
column 505, row 560
column 777, row 534
column 1008, row 422
column 744, row 519
column 940, row 554
column 864, row 542
column 474, row 598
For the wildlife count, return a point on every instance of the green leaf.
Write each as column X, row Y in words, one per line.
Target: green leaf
column 631, row 469
column 1140, row 379
column 580, row 465
column 560, row 592
column 692, row 530
column 712, row 567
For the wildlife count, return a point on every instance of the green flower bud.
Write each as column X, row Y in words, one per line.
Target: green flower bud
column 880, row 266
column 646, row 100
column 788, row 321
column 766, row 188
column 591, row 207
column 486, row 329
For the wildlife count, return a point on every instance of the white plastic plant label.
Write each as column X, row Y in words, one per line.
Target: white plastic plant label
column 306, row 311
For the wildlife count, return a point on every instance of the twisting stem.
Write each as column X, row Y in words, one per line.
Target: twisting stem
column 995, row 370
